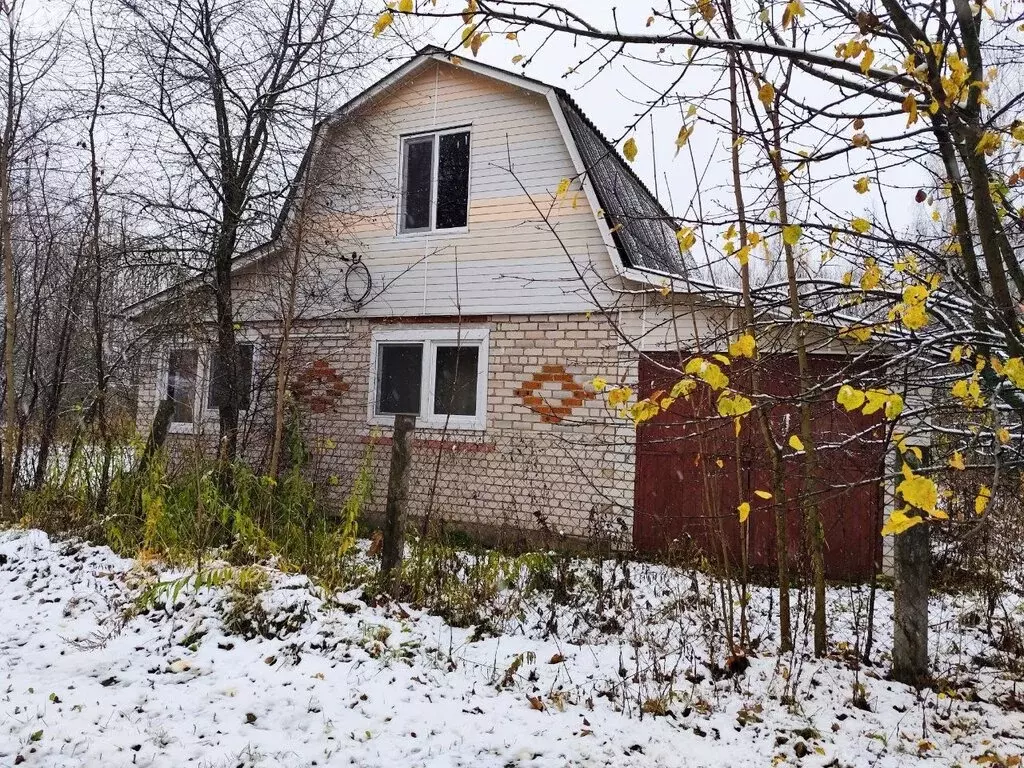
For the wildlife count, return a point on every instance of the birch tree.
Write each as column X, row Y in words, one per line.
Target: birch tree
column 909, row 106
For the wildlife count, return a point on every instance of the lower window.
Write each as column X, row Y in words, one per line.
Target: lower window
column 438, row 376
column 182, row 384
column 187, row 369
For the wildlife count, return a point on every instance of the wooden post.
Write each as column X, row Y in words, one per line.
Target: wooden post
column 398, row 495
column 910, row 609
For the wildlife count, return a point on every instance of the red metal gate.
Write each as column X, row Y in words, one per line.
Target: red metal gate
column 692, row 471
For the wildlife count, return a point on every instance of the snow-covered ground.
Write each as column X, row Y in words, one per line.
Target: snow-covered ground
column 636, row 682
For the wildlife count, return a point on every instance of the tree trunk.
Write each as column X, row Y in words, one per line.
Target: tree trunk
column 910, row 611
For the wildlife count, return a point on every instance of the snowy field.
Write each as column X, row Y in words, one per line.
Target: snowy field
column 633, row 683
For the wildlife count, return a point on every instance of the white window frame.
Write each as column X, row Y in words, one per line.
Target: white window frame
column 432, row 338
column 201, row 412
column 206, row 360
column 435, row 165
column 163, row 380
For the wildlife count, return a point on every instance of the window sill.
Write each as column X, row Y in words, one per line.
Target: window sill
column 429, row 233
column 466, row 423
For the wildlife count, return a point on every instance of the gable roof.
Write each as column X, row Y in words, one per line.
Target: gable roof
column 644, row 231
column 639, row 232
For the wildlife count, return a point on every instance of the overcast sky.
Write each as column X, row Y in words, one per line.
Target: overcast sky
column 614, row 96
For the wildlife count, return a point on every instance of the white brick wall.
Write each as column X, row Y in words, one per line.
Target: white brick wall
column 553, row 459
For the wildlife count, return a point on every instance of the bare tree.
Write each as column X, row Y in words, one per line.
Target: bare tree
column 234, row 85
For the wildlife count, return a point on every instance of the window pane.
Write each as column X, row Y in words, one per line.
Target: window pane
column 399, row 378
column 218, row 384
column 452, row 180
column 418, row 164
column 455, row 381
column 182, row 367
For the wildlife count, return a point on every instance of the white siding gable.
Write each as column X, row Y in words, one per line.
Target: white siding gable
column 508, row 260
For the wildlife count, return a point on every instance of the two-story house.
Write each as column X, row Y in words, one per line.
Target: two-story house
column 466, row 246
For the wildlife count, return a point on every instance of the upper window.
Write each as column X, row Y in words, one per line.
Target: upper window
column 435, row 181
column 438, row 376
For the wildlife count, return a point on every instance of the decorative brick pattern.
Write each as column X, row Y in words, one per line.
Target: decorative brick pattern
column 553, row 394
column 534, row 472
column 319, row 386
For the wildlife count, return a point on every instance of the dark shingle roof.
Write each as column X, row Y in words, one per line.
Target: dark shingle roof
column 644, row 231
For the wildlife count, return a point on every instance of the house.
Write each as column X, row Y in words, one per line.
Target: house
column 468, row 247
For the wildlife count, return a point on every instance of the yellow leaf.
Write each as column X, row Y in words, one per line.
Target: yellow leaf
column 918, row 491
column 719, row 463
column 709, row 372
column 744, row 510
column 683, row 388
column 630, row 150
column 383, row 22
column 517, row 58
column 794, row 9
column 600, row 384
column 861, row 185
column 877, row 399
column 563, row 187
column 1003, row 434
column 1013, row 369
column 405, row 6
column 684, row 136
column 737, row 405
column 791, row 234
column 744, row 346
column 956, row 461
column 899, row 521
column 865, row 62
column 872, row 277
column 893, row 406
column 910, row 107
column 982, row 499
column 743, row 255
column 763, row 494
column 861, row 333
column 766, row 94
column 851, row 399
column 989, row 142
column 860, row 225
column 796, row 443
column 478, row 40
column 687, row 238
column 642, row 411
column 619, row 396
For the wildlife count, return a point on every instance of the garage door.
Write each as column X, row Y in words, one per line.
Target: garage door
column 692, row 471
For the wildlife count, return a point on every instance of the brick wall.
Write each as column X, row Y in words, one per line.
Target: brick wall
column 552, row 460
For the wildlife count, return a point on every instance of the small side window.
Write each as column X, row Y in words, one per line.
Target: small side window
column 217, row 394
column 419, row 170
column 182, row 380
column 452, row 180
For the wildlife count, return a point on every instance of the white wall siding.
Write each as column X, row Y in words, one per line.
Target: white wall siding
column 508, row 260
